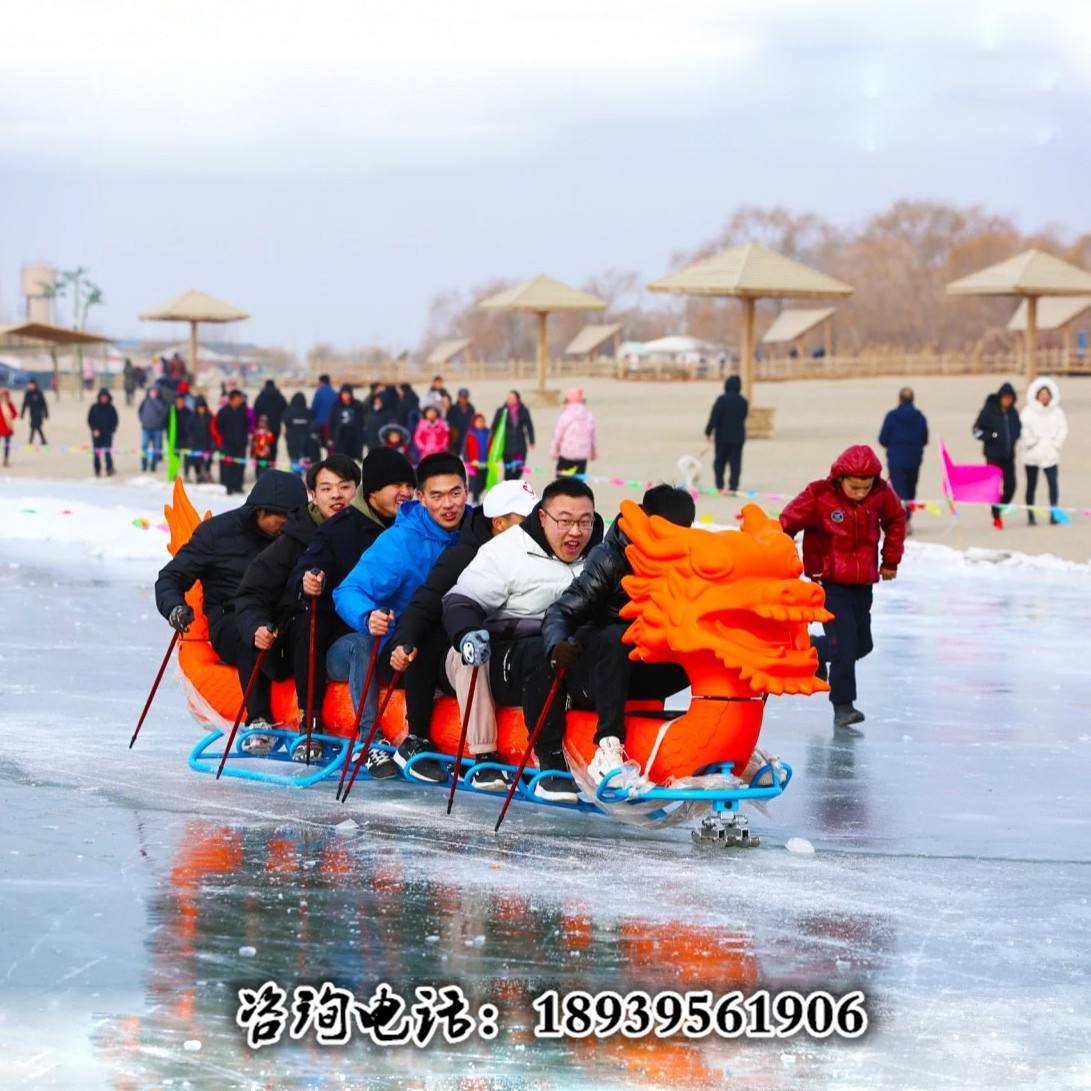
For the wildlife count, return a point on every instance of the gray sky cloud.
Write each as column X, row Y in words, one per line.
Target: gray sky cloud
column 333, row 166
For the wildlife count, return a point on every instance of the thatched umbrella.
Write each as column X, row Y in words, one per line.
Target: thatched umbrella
column 543, row 295
column 43, row 332
column 751, row 272
column 1034, row 274
column 194, row 307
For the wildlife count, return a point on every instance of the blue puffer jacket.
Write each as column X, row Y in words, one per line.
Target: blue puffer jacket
column 905, row 436
column 389, row 573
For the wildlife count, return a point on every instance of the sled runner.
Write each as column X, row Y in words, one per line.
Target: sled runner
column 728, row 606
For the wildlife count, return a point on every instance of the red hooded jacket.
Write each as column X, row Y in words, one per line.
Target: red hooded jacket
column 841, row 536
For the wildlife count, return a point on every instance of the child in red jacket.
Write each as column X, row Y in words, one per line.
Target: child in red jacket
column 843, row 519
column 261, row 446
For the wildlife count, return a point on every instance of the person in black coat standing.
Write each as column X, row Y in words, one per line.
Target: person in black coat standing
column 271, row 403
column 998, row 427
column 102, row 420
column 233, row 425
column 727, row 429
column 904, row 435
column 34, row 406
column 298, row 424
column 460, row 420
column 199, row 441
column 582, row 631
column 518, row 434
column 347, row 425
column 218, row 554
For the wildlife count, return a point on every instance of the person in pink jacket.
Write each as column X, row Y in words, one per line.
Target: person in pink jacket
column 432, row 433
column 574, row 436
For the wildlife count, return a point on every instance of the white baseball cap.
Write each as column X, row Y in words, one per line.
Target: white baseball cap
column 509, row 498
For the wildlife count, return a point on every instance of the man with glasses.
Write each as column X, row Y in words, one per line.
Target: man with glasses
column 385, row 578
column 493, row 614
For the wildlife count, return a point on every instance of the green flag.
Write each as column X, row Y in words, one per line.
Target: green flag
column 495, row 458
column 173, row 461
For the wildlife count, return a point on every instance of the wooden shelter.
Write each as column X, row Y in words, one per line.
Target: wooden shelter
column 543, row 295
column 446, row 351
column 1054, row 313
column 194, row 307
column 793, row 324
column 591, row 338
column 1034, row 275
column 34, row 334
column 750, row 273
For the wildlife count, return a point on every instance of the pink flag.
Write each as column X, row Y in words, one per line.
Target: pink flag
column 979, row 484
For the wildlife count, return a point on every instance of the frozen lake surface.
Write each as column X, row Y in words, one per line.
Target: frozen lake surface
column 950, row 881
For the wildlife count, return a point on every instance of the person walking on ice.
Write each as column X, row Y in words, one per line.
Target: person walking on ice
column 853, row 535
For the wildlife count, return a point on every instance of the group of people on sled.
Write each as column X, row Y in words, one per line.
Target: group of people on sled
column 405, row 573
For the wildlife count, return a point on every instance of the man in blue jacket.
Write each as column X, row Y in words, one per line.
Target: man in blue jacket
column 385, row 578
column 322, row 405
column 904, row 435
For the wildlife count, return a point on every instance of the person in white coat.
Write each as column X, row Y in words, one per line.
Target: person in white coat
column 493, row 614
column 1044, row 432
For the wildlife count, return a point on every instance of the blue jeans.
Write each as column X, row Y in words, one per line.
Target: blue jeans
column 347, row 660
column 151, row 447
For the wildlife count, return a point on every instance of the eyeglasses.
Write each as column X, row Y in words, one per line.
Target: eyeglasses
column 586, row 523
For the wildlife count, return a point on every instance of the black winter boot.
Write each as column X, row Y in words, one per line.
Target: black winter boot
column 846, row 715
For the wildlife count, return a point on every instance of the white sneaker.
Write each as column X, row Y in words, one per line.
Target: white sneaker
column 259, row 745
column 609, row 756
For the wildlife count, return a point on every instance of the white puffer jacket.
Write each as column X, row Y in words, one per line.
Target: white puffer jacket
column 1044, row 426
column 512, row 576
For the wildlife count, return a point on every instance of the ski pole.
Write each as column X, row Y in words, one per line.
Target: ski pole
column 155, row 686
column 242, row 708
column 310, row 670
column 550, row 698
column 366, row 748
column 371, row 661
column 462, row 738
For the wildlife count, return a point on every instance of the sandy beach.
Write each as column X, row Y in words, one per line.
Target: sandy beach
column 645, row 427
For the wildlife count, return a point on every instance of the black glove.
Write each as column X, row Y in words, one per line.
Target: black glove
column 181, row 617
column 564, row 654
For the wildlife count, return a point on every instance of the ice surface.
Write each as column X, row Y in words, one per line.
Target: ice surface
column 950, row 882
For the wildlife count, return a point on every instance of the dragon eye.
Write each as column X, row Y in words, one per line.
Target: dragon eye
column 710, row 558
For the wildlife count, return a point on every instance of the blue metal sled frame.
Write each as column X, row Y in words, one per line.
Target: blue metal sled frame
column 722, row 800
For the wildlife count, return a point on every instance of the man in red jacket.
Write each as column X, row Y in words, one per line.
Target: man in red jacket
column 843, row 518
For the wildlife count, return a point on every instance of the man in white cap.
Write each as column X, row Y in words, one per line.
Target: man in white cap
column 420, row 647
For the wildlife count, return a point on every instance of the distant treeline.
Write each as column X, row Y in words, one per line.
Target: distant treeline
column 898, row 261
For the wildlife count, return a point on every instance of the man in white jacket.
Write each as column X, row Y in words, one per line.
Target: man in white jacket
column 493, row 614
column 1045, row 429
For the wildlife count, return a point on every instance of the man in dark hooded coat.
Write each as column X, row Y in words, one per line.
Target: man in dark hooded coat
column 727, row 429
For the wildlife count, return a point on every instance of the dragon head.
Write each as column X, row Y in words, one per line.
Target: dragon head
column 728, row 606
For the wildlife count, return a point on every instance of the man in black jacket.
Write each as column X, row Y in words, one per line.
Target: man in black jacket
column 998, row 427
column 34, row 405
column 727, row 428
column 269, row 618
column 218, row 554
column 582, row 631
column 421, row 649
column 233, row 424
column 102, row 420
column 387, row 482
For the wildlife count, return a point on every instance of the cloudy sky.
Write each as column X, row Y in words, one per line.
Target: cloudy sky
column 331, row 166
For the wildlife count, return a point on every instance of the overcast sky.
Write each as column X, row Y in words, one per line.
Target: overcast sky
column 331, row 166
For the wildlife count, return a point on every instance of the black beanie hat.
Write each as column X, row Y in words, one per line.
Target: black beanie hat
column 385, row 466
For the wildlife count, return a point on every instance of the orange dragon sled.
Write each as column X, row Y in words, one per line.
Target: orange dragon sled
column 728, row 606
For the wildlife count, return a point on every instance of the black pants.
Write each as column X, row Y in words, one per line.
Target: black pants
column 201, row 467
column 1007, row 491
column 36, row 428
column 848, row 636
column 423, row 677
column 903, row 479
column 104, row 451
column 513, row 468
column 1051, row 481
column 229, row 645
column 566, row 466
column 520, row 674
column 604, row 676
column 233, row 470
column 727, row 454
column 477, row 483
